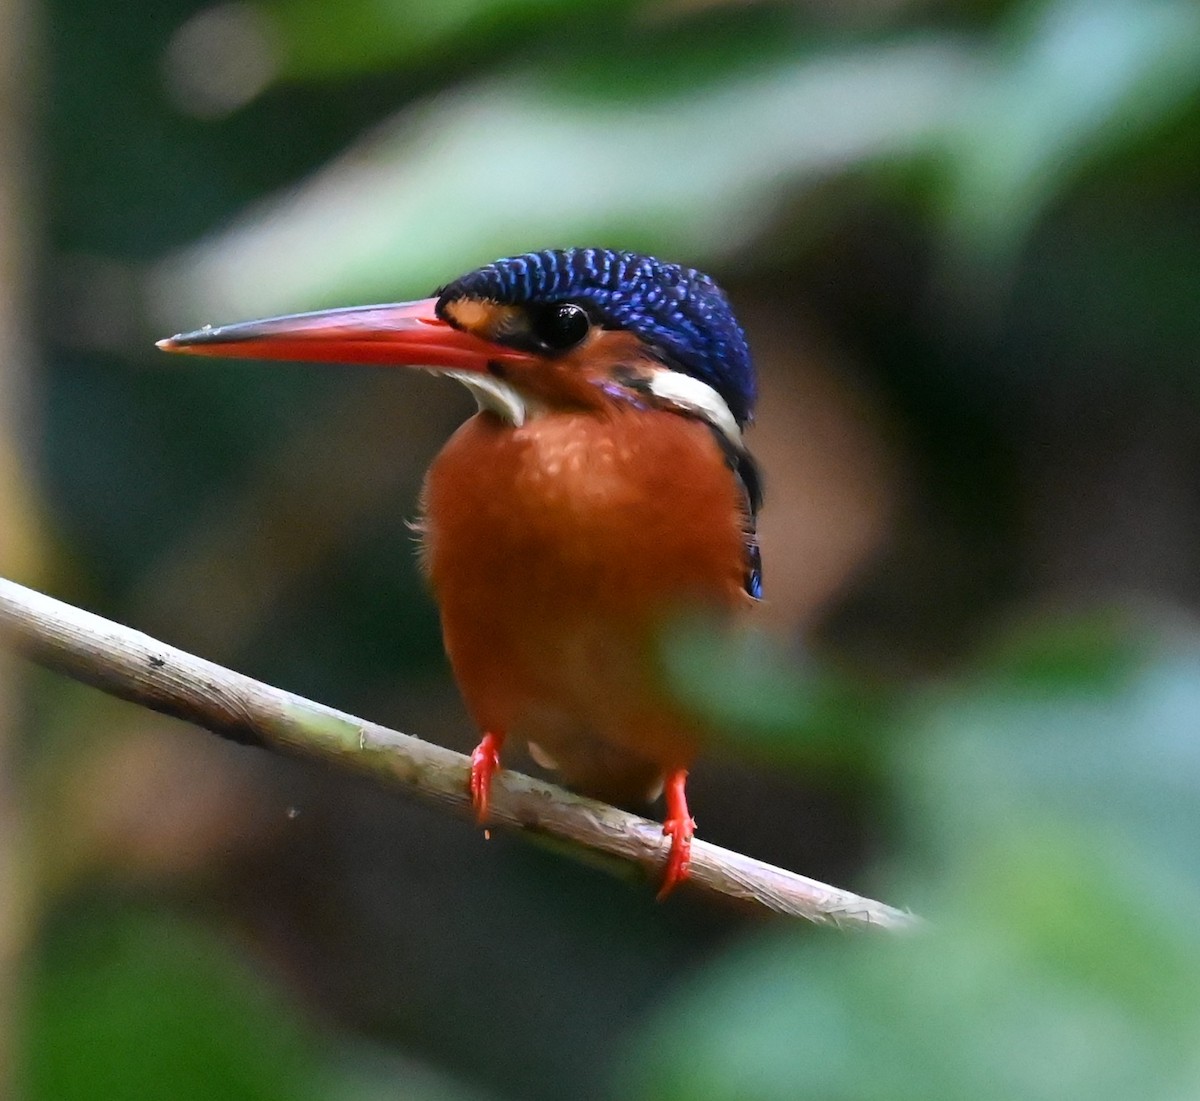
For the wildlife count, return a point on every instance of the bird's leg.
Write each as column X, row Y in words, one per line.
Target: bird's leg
column 485, row 760
column 680, row 827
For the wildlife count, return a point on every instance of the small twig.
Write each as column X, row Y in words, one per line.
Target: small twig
column 133, row 666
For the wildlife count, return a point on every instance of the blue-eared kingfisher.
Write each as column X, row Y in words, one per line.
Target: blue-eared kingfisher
column 602, row 488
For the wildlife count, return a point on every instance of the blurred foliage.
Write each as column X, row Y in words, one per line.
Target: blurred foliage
column 773, row 702
column 969, row 230
column 1009, row 120
column 410, row 203
column 132, row 1004
column 1072, row 82
column 1052, row 822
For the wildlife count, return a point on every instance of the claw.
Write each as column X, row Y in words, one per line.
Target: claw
column 485, row 761
column 680, row 827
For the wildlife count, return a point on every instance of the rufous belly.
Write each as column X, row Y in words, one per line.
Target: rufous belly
column 557, row 551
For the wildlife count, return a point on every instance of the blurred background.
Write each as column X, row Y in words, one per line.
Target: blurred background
column 964, row 237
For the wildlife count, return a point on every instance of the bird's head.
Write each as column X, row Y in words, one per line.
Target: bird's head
column 557, row 329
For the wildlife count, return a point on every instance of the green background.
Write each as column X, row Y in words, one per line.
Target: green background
column 964, row 238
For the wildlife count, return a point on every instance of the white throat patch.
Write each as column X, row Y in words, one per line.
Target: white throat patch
column 686, row 393
column 495, row 396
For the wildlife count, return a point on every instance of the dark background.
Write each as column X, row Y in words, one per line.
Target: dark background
column 964, row 239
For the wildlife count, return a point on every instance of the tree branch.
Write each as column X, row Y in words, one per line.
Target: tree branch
column 135, row 667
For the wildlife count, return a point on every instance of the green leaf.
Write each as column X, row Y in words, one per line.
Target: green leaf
column 510, row 164
column 1054, row 800
column 316, row 39
column 962, row 1011
column 1078, row 79
column 130, row 1005
column 764, row 698
column 1118, row 755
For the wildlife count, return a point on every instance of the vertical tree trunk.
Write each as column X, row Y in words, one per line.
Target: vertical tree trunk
column 17, row 535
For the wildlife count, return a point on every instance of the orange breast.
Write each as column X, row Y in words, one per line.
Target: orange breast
column 556, row 551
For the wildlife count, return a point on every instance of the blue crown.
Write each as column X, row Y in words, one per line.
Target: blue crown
column 678, row 312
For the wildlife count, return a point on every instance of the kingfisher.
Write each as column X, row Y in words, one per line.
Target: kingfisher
column 602, row 488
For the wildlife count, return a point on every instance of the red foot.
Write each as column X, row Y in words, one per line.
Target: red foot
column 484, row 763
column 680, row 827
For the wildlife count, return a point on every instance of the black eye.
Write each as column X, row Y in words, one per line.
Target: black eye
column 560, row 326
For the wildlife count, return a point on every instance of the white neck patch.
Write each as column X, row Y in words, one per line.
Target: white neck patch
column 693, row 396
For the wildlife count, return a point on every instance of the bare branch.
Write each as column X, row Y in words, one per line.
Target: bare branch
column 133, row 666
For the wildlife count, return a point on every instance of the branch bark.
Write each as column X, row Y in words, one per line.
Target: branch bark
column 135, row 667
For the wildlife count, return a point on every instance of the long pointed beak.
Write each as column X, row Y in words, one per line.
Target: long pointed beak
column 399, row 334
